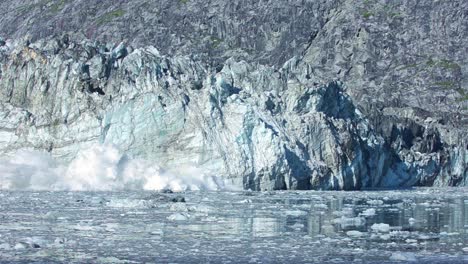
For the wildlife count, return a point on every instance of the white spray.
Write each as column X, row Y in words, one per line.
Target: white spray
column 99, row 168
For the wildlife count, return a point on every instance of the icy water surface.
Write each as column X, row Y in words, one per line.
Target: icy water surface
column 421, row 225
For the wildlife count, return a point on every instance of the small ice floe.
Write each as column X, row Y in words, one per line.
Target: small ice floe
column 246, row 201
column 428, row 237
column 20, row 246
column 320, row 206
column 401, row 235
column 375, row 202
column 412, row 221
column 201, row 208
column 209, row 219
column 80, row 227
column 350, row 221
column 178, row 217
column 111, row 227
column 126, row 203
column 301, row 206
column 165, row 197
column 110, row 260
column 51, row 216
column 60, row 241
column 297, row 226
column 354, row 233
column 295, row 213
column 5, row 246
column 178, row 207
column 381, row 228
column 465, row 249
column 98, row 201
column 368, row 212
column 385, row 237
column 403, row 256
column 29, row 242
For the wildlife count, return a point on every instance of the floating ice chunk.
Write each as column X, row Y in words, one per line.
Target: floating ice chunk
column 424, row 237
column 465, row 249
column 297, row 226
column 5, row 246
column 400, row 234
column 178, row 207
column 126, row 203
column 354, row 233
column 303, row 206
column 20, row 246
column 412, row 221
column 110, row 260
column 350, row 221
column 50, row 215
column 83, row 228
column 382, row 228
column 202, row 208
column 60, row 241
column 111, row 227
column 375, row 202
column 385, row 237
column 99, row 200
column 321, row 206
column 210, row 219
column 368, row 212
column 295, row 213
column 30, row 242
column 177, row 217
column 403, row 256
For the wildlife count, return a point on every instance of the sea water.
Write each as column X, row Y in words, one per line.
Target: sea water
column 422, row 225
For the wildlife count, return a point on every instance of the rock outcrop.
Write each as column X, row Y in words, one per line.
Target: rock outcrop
column 329, row 95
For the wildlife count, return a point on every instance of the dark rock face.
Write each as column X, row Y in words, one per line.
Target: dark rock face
column 246, row 89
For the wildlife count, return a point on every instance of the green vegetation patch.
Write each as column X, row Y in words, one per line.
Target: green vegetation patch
column 367, row 14
column 463, row 94
column 430, row 62
column 109, row 16
column 446, row 84
column 409, row 66
column 58, row 6
column 215, row 41
column 54, row 6
column 395, row 14
column 448, row 64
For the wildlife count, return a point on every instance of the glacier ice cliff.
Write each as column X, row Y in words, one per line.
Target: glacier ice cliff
column 348, row 104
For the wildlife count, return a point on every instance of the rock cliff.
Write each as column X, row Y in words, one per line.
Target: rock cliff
column 269, row 94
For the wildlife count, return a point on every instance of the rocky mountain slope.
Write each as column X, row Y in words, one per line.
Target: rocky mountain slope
column 270, row 94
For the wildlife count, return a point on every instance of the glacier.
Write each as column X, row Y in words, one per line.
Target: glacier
column 258, row 127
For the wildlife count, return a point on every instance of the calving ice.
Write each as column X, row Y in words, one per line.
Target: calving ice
column 99, row 168
column 193, row 131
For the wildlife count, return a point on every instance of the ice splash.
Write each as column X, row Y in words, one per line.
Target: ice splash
column 99, row 168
